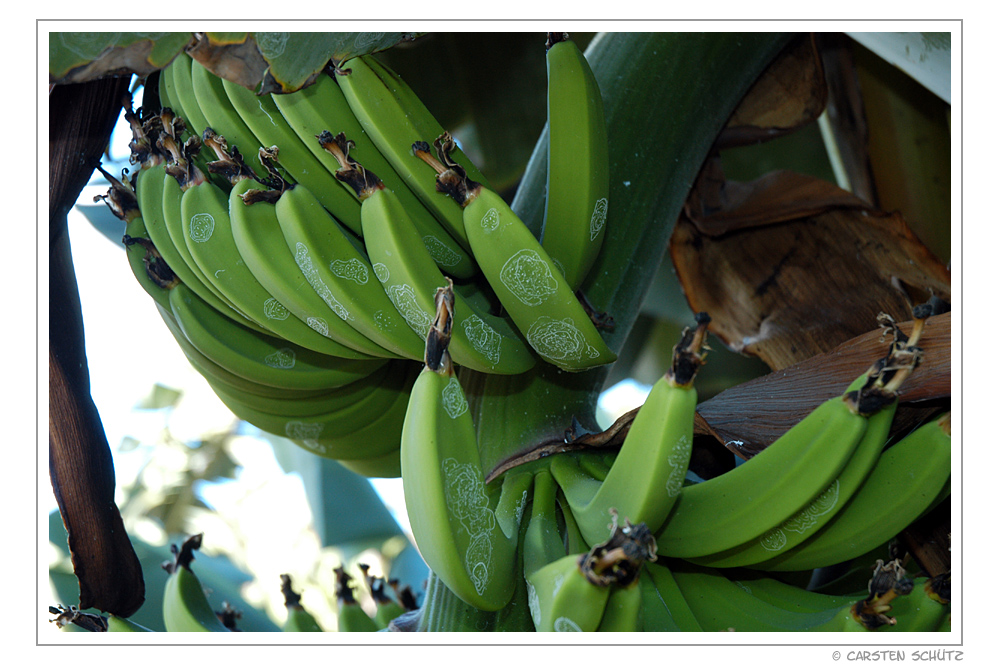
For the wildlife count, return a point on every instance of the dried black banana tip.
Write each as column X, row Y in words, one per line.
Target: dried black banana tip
column 345, row 587
column 361, row 180
column 183, row 555
column 689, row 356
column 452, row 179
column 156, row 266
column 436, row 356
column 292, row 599
column 553, row 38
column 939, row 587
column 120, row 197
column 619, row 560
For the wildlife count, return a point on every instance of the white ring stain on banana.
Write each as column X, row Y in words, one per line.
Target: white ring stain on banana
column 558, row 340
column 484, row 339
column 352, row 269
column 775, row 539
column 319, row 325
column 528, row 277
column 598, row 218
column 465, row 495
column 405, row 299
column 283, row 358
column 441, row 253
column 275, row 310
column 678, row 462
column 566, row 625
column 381, row 272
column 304, row 261
column 453, row 399
column 490, row 220
column 202, row 226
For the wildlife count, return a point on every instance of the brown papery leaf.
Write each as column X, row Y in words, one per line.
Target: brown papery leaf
column 790, row 266
column 748, row 417
column 789, row 94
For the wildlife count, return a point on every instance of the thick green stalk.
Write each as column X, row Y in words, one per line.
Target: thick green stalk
column 666, row 97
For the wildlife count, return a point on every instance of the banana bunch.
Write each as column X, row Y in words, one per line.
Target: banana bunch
column 301, row 285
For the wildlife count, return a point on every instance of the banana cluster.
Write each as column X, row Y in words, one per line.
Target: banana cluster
column 294, row 244
column 689, row 555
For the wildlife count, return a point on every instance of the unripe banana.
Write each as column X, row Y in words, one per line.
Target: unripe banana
column 394, row 117
column 531, row 289
column 646, row 476
column 563, row 599
column 180, row 89
column 339, row 270
column 576, row 196
column 906, row 480
column 480, row 341
column 465, row 533
column 543, row 543
column 743, row 503
column 185, row 607
column 623, row 613
column 262, row 246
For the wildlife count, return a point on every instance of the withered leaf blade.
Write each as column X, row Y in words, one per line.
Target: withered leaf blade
column 748, row 417
column 792, row 266
column 791, row 93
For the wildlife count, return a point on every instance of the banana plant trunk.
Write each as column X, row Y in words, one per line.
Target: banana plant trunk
column 666, row 97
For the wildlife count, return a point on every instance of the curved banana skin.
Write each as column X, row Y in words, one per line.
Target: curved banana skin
column 385, row 466
column 185, row 607
column 467, row 535
column 341, row 273
column 322, row 107
column 208, row 233
column 576, row 195
column 117, row 624
column 262, row 117
column 149, row 191
column 365, row 429
column 262, row 246
column 906, row 480
column 222, row 118
column 563, row 599
column 820, row 510
column 743, row 503
column 791, row 597
column 479, row 340
column 394, row 118
column 919, row 611
column 181, row 90
column 664, row 607
column 530, row 287
column 257, row 357
column 543, row 542
column 646, row 477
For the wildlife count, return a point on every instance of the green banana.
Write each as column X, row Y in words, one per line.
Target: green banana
column 257, row 235
column 320, row 111
column 646, row 477
column 351, row 617
column 262, row 116
column 531, row 289
column 466, row 534
column 185, row 607
column 394, row 118
column 365, row 429
column 664, row 607
column 299, row 620
column 208, row 233
column 789, row 596
column 563, row 599
column 906, row 480
column 745, row 502
column 180, row 87
column 257, row 357
column 262, row 246
column 221, row 117
column 384, row 466
column 341, row 273
column 543, row 542
column 820, row 510
column 480, row 341
column 576, row 195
